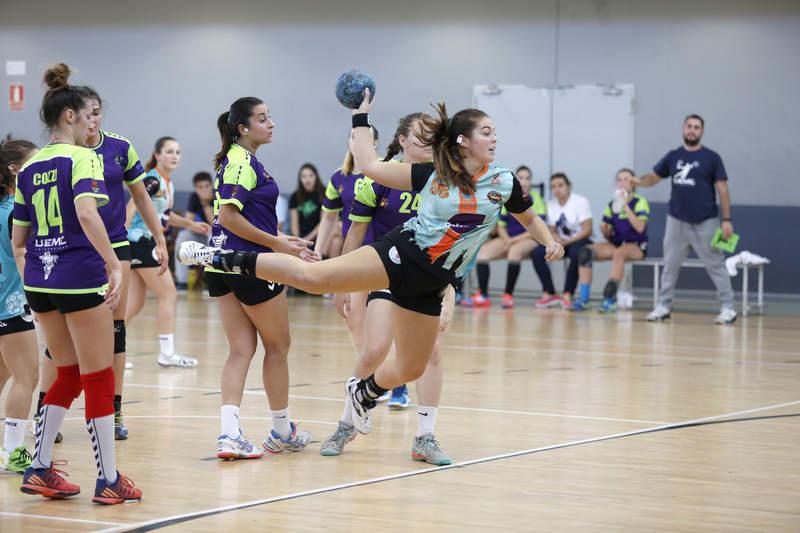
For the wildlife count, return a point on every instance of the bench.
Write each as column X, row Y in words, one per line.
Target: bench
column 658, row 262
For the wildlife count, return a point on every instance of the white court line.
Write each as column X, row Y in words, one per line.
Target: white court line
column 62, row 519
column 474, row 409
column 215, row 417
column 462, row 464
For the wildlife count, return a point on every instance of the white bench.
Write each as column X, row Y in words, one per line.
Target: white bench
column 658, row 262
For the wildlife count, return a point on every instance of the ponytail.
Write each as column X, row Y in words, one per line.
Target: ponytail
column 228, row 124
column 404, row 130
column 61, row 95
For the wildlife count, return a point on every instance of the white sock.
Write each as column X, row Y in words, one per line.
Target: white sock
column 426, row 419
column 167, row 343
column 347, row 414
column 280, row 423
column 14, row 435
column 230, row 420
column 101, row 431
column 50, row 419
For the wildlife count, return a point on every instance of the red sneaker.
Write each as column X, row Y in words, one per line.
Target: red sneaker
column 121, row 491
column 48, row 482
column 479, row 300
column 507, row 302
column 547, row 301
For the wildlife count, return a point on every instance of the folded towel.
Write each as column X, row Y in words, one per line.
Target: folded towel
column 743, row 258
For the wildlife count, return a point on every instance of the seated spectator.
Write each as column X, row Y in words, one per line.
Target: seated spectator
column 569, row 216
column 199, row 209
column 306, row 203
column 624, row 225
column 513, row 242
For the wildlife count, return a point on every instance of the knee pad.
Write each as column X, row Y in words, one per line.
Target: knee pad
column 586, row 256
column 65, row 388
column 610, row 290
column 98, row 388
column 119, row 336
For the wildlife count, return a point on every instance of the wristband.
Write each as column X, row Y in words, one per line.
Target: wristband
column 361, row 120
column 726, row 219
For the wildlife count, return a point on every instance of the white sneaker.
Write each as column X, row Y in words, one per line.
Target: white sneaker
column 726, row 316
column 658, row 314
column 128, row 365
column 195, row 253
column 296, row 442
column 177, row 360
column 384, row 397
column 362, row 420
column 229, row 448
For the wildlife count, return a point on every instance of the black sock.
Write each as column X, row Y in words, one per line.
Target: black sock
column 610, row 290
column 370, row 391
column 483, row 278
column 42, row 394
column 239, row 262
column 511, row 277
column 117, row 403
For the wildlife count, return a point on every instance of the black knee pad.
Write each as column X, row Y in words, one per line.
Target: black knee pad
column 610, row 290
column 586, row 256
column 119, row 336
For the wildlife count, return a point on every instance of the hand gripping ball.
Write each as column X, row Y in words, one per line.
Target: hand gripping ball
column 350, row 88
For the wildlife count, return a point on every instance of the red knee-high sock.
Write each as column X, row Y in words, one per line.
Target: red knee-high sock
column 65, row 388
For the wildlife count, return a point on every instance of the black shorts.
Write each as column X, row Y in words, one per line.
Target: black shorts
column 43, row 302
column 642, row 246
column 16, row 324
column 415, row 284
column 123, row 253
column 249, row 291
column 383, row 294
column 143, row 253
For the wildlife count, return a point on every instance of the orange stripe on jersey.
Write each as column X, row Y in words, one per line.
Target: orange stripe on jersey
column 447, row 241
column 469, row 204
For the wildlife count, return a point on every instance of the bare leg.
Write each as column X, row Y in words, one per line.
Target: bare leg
column 379, row 341
column 415, row 336
column 241, row 335
column 356, row 318
column 19, row 353
column 164, row 289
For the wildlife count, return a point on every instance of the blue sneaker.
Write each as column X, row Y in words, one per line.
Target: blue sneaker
column 580, row 305
column 399, row 399
column 120, row 431
column 609, row 305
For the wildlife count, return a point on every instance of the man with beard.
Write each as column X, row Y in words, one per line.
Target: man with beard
column 695, row 172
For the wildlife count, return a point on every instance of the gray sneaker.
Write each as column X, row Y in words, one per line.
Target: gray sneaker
column 726, row 316
column 659, row 313
column 334, row 444
column 297, row 441
column 426, row 448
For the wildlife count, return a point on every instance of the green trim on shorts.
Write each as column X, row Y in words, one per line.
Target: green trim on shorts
column 67, row 291
column 120, row 244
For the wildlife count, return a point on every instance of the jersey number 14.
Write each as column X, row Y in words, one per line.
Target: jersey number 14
column 49, row 215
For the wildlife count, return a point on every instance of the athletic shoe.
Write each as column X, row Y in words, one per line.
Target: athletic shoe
column 384, row 397
column 609, row 305
column 547, row 301
column 465, row 301
column 120, row 431
column 726, row 316
column 48, row 482
column 426, row 448
column 17, row 461
column 566, row 302
column 296, row 441
column 121, row 491
column 580, row 305
column 399, row 399
column 658, row 314
column 59, row 436
column 181, row 286
column 479, row 300
column 177, row 360
column 362, row 420
column 334, row 445
column 507, row 302
column 229, row 448
column 195, row 253
column 128, row 365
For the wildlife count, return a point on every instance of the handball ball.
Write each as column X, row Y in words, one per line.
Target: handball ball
column 350, row 88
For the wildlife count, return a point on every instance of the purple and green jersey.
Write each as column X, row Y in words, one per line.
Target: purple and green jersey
column 59, row 258
column 513, row 227
column 339, row 196
column 118, row 163
column 621, row 229
column 243, row 182
column 382, row 207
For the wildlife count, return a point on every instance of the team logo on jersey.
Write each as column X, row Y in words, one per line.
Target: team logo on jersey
column 384, row 202
column 494, row 197
column 681, row 177
column 340, row 189
column 394, row 255
column 440, row 188
column 496, row 180
column 220, row 240
column 119, row 160
column 95, row 186
column 48, row 262
column 234, row 191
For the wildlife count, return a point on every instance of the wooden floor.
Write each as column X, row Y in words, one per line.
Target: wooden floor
column 557, row 422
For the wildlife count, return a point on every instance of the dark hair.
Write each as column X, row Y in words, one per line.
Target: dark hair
column 319, row 189
column 60, row 95
column 561, row 175
column 349, row 161
column 151, row 163
column 442, row 135
column 524, row 167
column 404, row 130
column 12, row 152
column 228, row 123
column 202, row 176
column 697, row 117
column 626, row 169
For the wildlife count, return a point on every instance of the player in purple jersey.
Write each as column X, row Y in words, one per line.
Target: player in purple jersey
column 384, row 209
column 120, row 165
column 245, row 198
column 461, row 199
column 18, row 349
column 72, row 283
column 338, row 200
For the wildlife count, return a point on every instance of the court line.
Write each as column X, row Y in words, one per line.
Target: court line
column 456, row 408
column 158, row 523
column 215, row 417
column 62, row 519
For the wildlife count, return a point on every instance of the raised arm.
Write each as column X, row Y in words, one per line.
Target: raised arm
column 648, row 180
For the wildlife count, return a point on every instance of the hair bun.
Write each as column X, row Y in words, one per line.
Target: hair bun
column 57, row 77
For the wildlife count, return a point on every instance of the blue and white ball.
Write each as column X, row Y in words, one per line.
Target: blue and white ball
column 350, row 88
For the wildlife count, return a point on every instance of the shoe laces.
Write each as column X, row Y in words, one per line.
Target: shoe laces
column 25, row 455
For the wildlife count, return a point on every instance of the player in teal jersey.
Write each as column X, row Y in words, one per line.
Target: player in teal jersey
column 462, row 193
column 18, row 348
column 384, row 209
column 512, row 243
column 72, row 281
